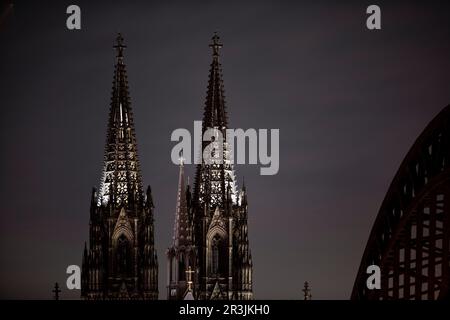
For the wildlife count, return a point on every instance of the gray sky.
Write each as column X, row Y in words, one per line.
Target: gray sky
column 348, row 102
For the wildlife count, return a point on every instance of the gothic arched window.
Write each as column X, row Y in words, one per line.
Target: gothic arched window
column 215, row 254
column 181, row 268
column 123, row 255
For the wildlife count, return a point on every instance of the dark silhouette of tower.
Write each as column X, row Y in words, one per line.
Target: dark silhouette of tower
column 121, row 261
column 210, row 233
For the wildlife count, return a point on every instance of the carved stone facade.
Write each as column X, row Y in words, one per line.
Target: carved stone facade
column 121, row 261
column 211, row 234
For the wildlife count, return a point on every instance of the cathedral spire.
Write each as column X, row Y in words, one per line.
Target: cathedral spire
column 120, row 261
column 215, row 112
column 217, row 250
column 211, row 180
column 121, row 164
column 181, row 226
column 181, row 255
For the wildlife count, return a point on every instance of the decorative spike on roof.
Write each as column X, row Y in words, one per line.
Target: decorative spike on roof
column 121, row 180
column 212, row 180
column 215, row 111
column 181, row 226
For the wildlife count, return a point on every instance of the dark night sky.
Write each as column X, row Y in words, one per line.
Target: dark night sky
column 348, row 102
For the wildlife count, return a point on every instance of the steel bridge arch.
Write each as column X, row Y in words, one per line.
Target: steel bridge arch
column 409, row 240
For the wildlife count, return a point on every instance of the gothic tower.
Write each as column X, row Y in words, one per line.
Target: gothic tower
column 182, row 255
column 211, row 238
column 121, row 261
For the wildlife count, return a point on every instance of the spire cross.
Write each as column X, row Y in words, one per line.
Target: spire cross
column 189, row 273
column 119, row 46
column 56, row 291
column 215, row 45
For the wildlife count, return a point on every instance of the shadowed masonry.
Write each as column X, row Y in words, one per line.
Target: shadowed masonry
column 211, row 232
column 121, row 261
column 210, row 257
